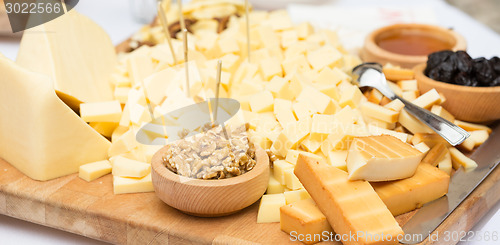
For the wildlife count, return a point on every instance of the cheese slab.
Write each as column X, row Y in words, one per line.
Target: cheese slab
column 400, row 196
column 94, row 170
column 75, row 52
column 122, row 185
column 41, row 136
column 349, row 206
column 381, row 158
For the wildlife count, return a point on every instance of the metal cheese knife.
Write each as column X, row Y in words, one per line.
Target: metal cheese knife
column 462, row 183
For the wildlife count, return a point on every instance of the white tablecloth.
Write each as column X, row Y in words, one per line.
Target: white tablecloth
column 115, row 18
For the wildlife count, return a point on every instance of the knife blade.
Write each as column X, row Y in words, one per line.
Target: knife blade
column 462, row 183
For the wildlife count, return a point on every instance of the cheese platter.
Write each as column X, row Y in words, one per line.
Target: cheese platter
column 297, row 100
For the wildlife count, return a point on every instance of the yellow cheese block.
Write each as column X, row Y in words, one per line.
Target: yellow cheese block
column 428, row 99
column 291, row 136
column 92, row 171
column 395, row 105
column 351, row 96
column 274, row 186
column 109, row 111
column 303, row 110
column 337, row 159
column 311, row 144
column 293, row 155
column 472, row 126
column 291, row 181
column 446, row 164
column 349, row 206
column 104, row 128
column 459, row 159
column 297, row 195
column 283, row 112
column 381, row 158
column 440, row 111
column 412, row 124
column 125, row 167
column 304, row 221
column 379, row 112
column 124, row 143
column 279, row 168
column 269, row 209
column 40, row 135
column 270, row 67
column 326, row 56
column 408, row 85
column 395, row 73
column 429, row 139
column 401, row 196
column 79, row 58
column 262, row 102
column 122, row 185
column 422, row 147
column 321, row 102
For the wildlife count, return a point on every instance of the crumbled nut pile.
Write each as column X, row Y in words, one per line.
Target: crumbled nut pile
column 214, row 154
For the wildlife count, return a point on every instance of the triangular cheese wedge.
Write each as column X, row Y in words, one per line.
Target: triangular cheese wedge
column 40, row 135
column 75, row 52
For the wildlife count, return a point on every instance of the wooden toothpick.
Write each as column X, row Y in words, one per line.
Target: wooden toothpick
column 248, row 29
column 164, row 23
column 181, row 15
column 185, row 44
column 217, row 88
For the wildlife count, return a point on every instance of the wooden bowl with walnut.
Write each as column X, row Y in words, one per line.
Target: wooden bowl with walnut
column 210, row 198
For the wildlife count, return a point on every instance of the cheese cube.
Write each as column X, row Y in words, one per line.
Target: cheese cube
column 288, row 38
column 293, row 155
column 295, row 196
column 395, row 73
column 401, row 196
column 326, row 56
column 262, row 102
column 322, row 125
column 283, row 112
column 440, row 111
column 126, row 142
column 374, row 130
column 446, row 164
column 119, row 131
column 291, row 181
column 422, row 147
column 304, row 30
column 479, row 136
column 428, row 99
column 321, row 102
column 379, row 112
column 124, row 167
column 429, row 139
column 121, row 94
column 379, row 123
column 109, row 111
column 269, row 68
column 459, row 159
column 92, row 171
column 374, row 96
column 331, row 90
column 410, row 95
column 295, row 63
column 104, row 128
column 412, row 124
column 291, row 136
column 381, row 158
column 230, row 62
column 349, row 206
column 311, row 144
column 279, row 168
column 278, row 87
column 274, row 186
column 139, row 114
column 472, row 126
column 122, row 185
column 395, row 88
column 269, row 209
column 408, row 85
column 304, row 219
column 351, row 96
column 436, row 154
column 331, row 76
column 395, row 105
column 140, row 66
column 303, row 110
column 337, row 159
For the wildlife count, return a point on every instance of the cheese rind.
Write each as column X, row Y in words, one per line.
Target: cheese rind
column 381, row 158
column 304, row 219
column 401, row 196
column 349, row 206
column 92, row 171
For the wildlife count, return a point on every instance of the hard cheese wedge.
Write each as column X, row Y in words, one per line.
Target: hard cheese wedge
column 40, row 135
column 349, row 206
column 381, row 158
column 304, row 220
column 75, row 52
column 401, row 196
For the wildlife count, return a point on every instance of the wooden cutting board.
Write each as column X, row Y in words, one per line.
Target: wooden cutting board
column 91, row 209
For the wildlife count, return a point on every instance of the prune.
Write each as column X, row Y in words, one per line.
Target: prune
column 495, row 82
column 495, row 63
column 435, row 59
column 483, row 72
column 463, row 78
column 464, row 62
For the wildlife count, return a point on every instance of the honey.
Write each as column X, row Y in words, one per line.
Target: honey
column 412, row 43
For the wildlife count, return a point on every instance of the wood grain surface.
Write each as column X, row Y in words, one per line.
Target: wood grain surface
column 91, row 209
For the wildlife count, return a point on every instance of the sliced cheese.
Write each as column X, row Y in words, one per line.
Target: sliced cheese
column 381, row 158
column 75, row 52
column 122, row 185
column 401, row 196
column 459, row 159
column 349, row 206
column 41, row 136
column 304, row 220
column 379, row 112
column 92, row 171
column 125, row 167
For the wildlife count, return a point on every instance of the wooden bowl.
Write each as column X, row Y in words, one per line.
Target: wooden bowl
column 372, row 52
column 210, row 198
column 472, row 104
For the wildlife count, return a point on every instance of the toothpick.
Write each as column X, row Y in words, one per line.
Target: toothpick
column 217, row 88
column 164, row 23
column 185, row 42
column 181, row 15
column 248, row 29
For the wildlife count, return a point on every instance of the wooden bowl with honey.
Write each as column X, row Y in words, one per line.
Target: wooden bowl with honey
column 408, row 45
column 214, row 197
column 472, row 104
